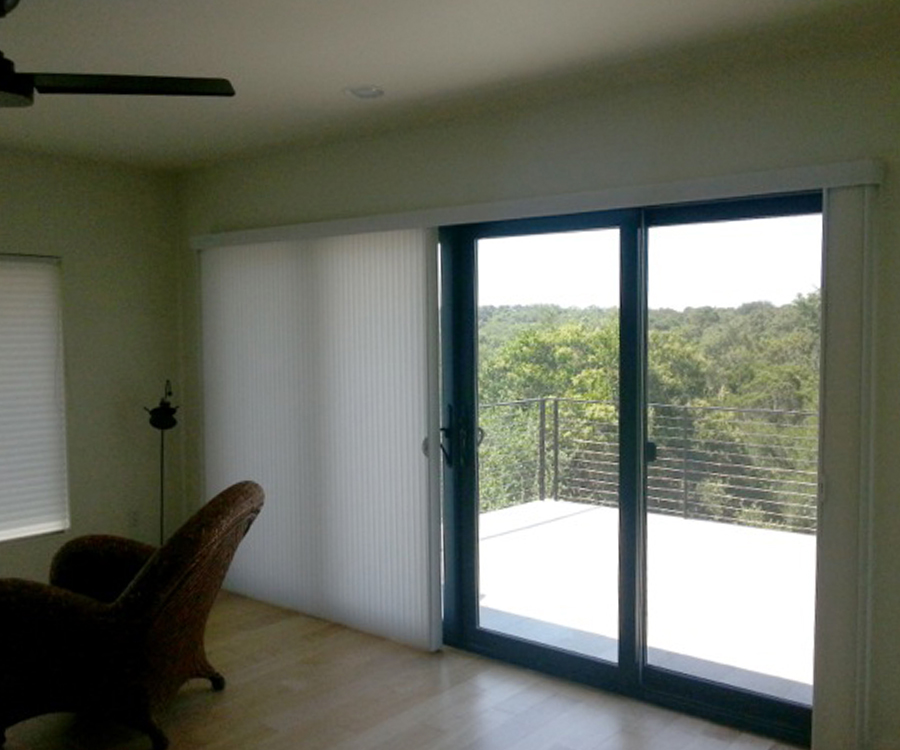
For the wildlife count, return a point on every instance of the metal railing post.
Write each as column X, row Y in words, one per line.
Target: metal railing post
column 684, row 466
column 556, row 449
column 542, row 449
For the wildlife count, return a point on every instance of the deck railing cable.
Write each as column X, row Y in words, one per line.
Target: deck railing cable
column 755, row 467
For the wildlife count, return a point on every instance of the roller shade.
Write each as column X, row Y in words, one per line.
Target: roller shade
column 33, row 484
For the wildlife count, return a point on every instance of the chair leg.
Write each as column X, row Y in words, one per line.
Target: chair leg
column 156, row 735
column 207, row 671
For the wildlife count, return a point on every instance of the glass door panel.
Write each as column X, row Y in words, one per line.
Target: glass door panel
column 547, row 381
column 732, row 380
column 630, row 437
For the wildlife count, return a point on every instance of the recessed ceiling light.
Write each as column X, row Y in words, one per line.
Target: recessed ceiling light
column 366, row 91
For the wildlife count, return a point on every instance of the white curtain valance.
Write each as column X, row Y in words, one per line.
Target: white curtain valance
column 865, row 172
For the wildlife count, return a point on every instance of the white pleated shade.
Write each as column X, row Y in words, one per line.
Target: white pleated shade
column 33, row 478
column 316, row 382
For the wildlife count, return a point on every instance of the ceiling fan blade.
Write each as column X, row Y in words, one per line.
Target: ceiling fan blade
column 6, row 6
column 77, row 83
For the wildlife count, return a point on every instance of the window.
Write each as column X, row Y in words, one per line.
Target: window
column 637, row 509
column 851, row 255
column 33, row 482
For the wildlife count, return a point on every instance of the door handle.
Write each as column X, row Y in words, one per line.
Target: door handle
column 445, row 448
column 447, row 432
column 462, row 437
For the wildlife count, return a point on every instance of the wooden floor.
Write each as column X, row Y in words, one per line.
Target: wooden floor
column 297, row 683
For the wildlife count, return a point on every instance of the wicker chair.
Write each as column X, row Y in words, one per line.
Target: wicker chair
column 120, row 627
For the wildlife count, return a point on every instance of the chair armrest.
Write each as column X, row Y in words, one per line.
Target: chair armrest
column 42, row 625
column 100, row 566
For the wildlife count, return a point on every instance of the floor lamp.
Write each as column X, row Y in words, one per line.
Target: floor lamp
column 162, row 418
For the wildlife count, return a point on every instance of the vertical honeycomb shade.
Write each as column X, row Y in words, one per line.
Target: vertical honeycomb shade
column 316, row 381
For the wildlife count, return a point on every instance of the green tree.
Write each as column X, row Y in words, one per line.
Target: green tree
column 757, row 357
column 569, row 361
column 677, row 369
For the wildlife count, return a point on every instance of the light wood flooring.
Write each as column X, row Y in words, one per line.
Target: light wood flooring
column 297, row 683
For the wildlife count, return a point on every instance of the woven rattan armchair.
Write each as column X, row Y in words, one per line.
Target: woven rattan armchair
column 120, row 627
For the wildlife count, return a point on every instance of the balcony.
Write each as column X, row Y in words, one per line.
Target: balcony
column 731, row 501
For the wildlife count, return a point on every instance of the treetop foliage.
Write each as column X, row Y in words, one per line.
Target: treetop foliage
column 758, row 355
column 733, row 396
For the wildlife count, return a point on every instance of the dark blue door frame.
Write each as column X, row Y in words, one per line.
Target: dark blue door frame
column 632, row 675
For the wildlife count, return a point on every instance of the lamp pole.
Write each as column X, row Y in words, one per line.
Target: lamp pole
column 162, row 417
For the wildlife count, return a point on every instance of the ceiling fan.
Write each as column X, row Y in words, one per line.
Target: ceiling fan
column 17, row 89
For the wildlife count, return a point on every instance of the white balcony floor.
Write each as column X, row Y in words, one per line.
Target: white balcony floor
column 730, row 603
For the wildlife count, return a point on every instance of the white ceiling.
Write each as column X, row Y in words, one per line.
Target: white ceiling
column 291, row 60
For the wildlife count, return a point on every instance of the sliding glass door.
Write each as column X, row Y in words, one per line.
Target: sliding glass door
column 548, row 375
column 733, row 410
column 630, row 435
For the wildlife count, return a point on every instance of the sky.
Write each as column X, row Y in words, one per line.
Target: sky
column 718, row 264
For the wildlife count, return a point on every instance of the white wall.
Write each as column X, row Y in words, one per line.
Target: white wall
column 726, row 119
column 114, row 230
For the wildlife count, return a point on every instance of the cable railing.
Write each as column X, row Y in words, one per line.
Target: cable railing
column 755, row 467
